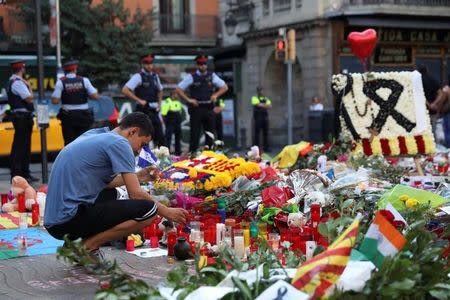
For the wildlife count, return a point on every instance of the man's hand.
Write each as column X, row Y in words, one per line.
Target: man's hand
column 178, row 215
column 141, row 102
column 193, row 101
column 213, row 98
column 150, row 173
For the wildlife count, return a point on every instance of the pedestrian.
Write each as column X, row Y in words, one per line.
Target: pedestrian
column 73, row 92
column 20, row 99
column 145, row 88
column 202, row 86
column 171, row 110
column 82, row 199
column 261, row 105
column 430, row 88
column 316, row 104
column 218, row 120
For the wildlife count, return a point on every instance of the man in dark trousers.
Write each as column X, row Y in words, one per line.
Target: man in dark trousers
column 202, row 84
column 73, row 92
column 430, row 88
column 20, row 99
column 261, row 105
column 171, row 110
column 218, row 121
column 145, row 88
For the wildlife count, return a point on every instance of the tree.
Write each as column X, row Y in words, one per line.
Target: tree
column 106, row 39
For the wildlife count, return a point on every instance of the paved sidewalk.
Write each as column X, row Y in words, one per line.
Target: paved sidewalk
column 46, row 277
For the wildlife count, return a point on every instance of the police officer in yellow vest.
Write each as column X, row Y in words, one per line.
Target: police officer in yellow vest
column 218, row 108
column 261, row 105
column 171, row 112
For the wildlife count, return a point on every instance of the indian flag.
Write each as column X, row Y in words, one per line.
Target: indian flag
column 382, row 239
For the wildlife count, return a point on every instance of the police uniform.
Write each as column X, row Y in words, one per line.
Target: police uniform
column 171, row 111
column 201, row 87
column 261, row 120
column 218, row 120
column 75, row 115
column 146, row 86
column 22, row 119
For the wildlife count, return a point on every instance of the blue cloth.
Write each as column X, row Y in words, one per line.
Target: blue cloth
column 146, row 157
column 83, row 169
column 446, row 126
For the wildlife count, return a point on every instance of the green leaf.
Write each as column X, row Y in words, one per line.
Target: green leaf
column 347, row 203
column 323, row 229
column 243, row 288
column 405, row 284
column 439, row 294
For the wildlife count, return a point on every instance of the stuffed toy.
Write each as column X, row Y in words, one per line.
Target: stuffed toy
column 20, row 185
column 296, row 220
column 165, row 226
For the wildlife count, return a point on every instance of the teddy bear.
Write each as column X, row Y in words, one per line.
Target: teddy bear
column 20, row 185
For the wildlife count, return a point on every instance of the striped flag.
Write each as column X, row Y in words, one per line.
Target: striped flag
column 318, row 275
column 146, row 157
column 382, row 239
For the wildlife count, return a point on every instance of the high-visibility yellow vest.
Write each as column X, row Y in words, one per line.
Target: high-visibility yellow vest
column 220, row 103
column 170, row 105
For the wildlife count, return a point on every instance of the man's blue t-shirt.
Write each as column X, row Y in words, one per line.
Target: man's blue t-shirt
column 83, row 169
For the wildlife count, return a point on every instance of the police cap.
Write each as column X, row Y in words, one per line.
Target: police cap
column 70, row 65
column 201, row 59
column 148, row 58
column 17, row 64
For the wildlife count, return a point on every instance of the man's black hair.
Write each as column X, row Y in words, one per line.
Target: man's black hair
column 140, row 120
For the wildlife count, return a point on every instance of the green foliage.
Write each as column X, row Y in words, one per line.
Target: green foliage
column 106, row 39
column 381, row 168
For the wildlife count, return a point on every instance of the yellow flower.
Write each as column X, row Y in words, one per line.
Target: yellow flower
column 193, row 173
column 376, row 146
column 430, row 146
column 411, row 145
column 395, row 148
column 411, row 202
column 403, row 198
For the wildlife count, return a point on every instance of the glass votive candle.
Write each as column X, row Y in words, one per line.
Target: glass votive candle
column 274, row 241
column 239, row 244
column 23, row 221
column 4, row 198
column 21, row 202
column 171, row 241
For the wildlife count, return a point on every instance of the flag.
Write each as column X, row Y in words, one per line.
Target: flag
column 381, row 240
column 146, row 157
column 318, row 275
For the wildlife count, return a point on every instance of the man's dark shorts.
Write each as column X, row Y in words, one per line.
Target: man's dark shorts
column 104, row 214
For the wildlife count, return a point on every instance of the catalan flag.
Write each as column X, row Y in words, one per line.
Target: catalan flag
column 381, row 240
column 318, row 275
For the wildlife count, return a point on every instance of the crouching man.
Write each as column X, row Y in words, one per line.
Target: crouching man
column 79, row 200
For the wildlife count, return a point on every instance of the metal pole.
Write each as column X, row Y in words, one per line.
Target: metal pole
column 289, row 99
column 40, row 62
column 58, row 37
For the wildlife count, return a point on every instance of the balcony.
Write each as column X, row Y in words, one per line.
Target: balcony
column 430, row 8
column 184, row 30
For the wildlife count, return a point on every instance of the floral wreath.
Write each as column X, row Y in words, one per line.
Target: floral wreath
column 208, row 171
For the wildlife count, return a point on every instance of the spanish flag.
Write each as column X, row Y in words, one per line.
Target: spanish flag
column 318, row 275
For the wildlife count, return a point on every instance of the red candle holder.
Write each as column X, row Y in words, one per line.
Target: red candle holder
column 21, row 202
column 4, row 198
column 154, row 242
column 35, row 214
column 130, row 245
column 171, row 241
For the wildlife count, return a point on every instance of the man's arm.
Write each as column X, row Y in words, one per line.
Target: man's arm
column 56, row 95
column 131, row 181
column 127, row 92
column 222, row 90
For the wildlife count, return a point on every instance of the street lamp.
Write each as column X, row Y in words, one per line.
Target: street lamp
column 230, row 22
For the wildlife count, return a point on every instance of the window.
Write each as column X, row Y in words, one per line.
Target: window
column 298, row 3
column 266, row 7
column 281, row 5
column 174, row 15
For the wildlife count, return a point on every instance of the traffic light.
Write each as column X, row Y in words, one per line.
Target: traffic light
column 291, row 53
column 280, row 49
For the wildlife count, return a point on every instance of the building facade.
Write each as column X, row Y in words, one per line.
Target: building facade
column 321, row 30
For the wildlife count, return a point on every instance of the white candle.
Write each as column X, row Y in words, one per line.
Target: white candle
column 239, row 246
column 220, row 233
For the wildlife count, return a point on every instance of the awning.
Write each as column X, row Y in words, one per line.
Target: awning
column 415, row 23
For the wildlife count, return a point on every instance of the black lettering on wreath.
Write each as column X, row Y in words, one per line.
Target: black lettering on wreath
column 387, row 107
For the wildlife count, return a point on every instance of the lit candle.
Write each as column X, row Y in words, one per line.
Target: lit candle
column 246, row 233
column 239, row 246
column 220, row 233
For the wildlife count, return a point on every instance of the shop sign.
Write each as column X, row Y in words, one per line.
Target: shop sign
column 393, row 55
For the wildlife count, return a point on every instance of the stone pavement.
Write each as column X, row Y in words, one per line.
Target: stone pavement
column 46, row 277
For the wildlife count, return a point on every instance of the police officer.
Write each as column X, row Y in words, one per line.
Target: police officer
column 73, row 92
column 202, row 97
column 145, row 88
column 171, row 111
column 218, row 108
column 20, row 99
column 261, row 105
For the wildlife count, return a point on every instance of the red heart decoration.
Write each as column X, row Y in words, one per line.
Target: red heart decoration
column 362, row 43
